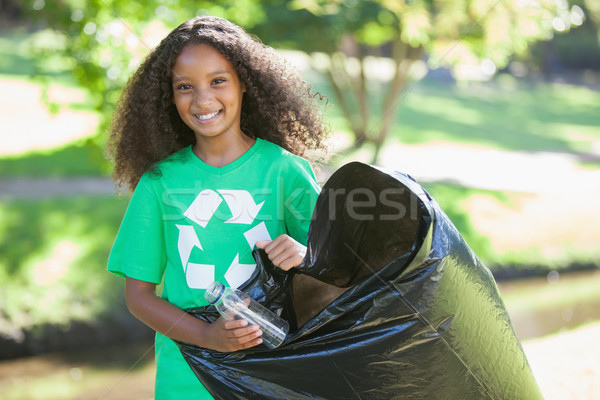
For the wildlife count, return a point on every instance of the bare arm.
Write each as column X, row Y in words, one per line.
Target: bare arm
column 162, row 316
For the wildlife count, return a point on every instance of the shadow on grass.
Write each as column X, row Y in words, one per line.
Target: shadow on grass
column 531, row 117
column 82, row 158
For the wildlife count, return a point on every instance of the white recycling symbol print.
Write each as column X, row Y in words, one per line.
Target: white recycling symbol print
column 243, row 210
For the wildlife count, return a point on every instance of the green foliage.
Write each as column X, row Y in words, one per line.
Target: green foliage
column 452, row 33
column 18, row 48
column 578, row 49
column 105, row 40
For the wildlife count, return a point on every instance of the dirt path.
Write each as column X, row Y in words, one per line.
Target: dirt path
column 49, row 187
column 483, row 167
column 567, row 365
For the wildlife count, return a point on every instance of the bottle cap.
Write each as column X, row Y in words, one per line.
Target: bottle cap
column 214, row 292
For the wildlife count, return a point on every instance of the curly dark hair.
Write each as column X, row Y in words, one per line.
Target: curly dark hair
column 277, row 106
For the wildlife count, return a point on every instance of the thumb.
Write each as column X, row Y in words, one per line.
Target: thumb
column 261, row 244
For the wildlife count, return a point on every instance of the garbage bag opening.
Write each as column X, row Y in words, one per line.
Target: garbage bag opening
column 311, row 296
column 363, row 220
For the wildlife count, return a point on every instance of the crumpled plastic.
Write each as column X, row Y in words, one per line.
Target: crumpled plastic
column 389, row 303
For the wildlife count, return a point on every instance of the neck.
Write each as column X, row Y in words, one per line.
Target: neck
column 218, row 152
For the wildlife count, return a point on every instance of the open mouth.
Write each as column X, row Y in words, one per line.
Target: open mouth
column 204, row 117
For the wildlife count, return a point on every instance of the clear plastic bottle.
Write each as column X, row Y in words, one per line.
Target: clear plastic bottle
column 233, row 303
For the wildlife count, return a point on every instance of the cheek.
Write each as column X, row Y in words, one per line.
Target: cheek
column 180, row 103
column 237, row 97
column 181, row 111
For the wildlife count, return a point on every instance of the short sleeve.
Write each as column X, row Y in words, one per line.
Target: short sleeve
column 301, row 192
column 139, row 249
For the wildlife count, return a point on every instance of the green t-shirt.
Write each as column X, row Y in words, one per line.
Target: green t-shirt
column 190, row 223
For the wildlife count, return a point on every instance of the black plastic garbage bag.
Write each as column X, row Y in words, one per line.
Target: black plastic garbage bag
column 390, row 303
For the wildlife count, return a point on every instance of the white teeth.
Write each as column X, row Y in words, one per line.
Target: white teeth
column 206, row 116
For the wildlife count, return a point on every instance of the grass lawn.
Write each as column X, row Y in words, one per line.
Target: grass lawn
column 80, row 158
column 53, row 252
column 505, row 114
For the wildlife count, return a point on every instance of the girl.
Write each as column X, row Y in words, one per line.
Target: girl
column 208, row 135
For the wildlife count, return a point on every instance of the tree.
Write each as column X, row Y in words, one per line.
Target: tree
column 593, row 11
column 103, row 41
column 107, row 39
column 449, row 32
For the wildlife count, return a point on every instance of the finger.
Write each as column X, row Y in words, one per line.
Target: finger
column 252, row 343
column 261, row 244
column 290, row 263
column 275, row 250
column 235, row 324
column 246, row 333
column 290, row 253
column 252, row 338
column 276, row 242
column 277, row 255
column 236, row 344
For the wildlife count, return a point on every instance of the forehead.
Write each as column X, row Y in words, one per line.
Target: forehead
column 201, row 58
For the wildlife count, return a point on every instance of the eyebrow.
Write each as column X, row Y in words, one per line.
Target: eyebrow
column 183, row 78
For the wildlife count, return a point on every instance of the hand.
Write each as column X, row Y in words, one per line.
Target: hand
column 231, row 335
column 222, row 335
column 284, row 252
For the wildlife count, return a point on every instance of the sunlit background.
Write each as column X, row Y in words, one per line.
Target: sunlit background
column 493, row 106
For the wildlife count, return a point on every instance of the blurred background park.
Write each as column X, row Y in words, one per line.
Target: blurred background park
column 492, row 105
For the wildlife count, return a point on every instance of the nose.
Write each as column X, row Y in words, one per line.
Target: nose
column 202, row 97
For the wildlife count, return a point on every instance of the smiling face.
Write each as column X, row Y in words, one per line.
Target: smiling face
column 207, row 92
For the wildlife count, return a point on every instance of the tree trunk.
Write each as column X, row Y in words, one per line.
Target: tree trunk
column 358, row 119
column 404, row 56
column 362, row 96
column 356, row 122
